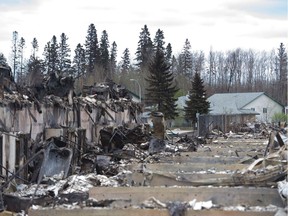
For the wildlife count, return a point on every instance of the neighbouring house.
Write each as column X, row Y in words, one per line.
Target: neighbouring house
column 230, row 111
column 253, row 104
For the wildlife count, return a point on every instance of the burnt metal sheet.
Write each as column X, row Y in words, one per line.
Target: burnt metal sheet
column 56, row 161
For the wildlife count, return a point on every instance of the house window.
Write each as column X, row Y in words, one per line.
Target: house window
column 253, row 109
column 264, row 110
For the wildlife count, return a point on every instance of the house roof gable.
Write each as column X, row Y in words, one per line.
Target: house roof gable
column 232, row 103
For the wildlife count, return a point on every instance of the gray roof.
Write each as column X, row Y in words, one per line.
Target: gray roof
column 233, row 103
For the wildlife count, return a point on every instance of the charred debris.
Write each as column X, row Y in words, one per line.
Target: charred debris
column 50, row 135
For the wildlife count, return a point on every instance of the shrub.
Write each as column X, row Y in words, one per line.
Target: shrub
column 280, row 117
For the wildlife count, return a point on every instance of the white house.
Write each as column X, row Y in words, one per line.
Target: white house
column 258, row 103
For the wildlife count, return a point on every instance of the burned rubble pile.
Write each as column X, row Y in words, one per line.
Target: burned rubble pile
column 58, row 145
column 57, row 175
column 129, row 176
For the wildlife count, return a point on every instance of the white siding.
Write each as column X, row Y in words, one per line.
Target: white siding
column 264, row 102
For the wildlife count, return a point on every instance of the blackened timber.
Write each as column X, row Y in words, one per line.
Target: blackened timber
column 32, row 116
column 279, row 139
column 22, row 146
column 6, row 183
column 76, row 141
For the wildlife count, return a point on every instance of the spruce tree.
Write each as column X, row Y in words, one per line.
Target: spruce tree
column 159, row 40
column 281, row 61
column 15, row 53
column 174, row 65
column 144, row 50
column 35, row 47
column 91, row 48
column 197, row 101
column 21, row 46
column 79, row 61
column 35, row 66
column 35, row 69
column 51, row 51
column 104, row 52
column 186, row 59
column 168, row 54
column 161, row 90
column 46, row 55
column 113, row 57
column 64, row 55
column 125, row 66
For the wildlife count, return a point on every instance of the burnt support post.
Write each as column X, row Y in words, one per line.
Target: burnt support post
column 76, row 139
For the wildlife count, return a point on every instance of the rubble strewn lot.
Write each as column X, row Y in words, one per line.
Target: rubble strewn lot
column 206, row 180
column 63, row 154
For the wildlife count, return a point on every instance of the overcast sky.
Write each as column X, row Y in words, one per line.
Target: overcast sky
column 220, row 24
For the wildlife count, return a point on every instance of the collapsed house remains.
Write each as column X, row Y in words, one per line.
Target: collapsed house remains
column 61, row 152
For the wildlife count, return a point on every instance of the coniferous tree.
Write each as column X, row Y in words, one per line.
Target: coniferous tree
column 15, row 52
column 144, row 52
column 64, row 55
column 3, row 60
column 35, row 66
column 79, row 61
column 104, row 52
column 174, row 65
column 47, row 57
column 35, row 47
column 35, row 69
column 51, row 56
column 159, row 40
column 125, row 66
column 161, row 90
column 168, row 54
column 91, row 48
column 281, row 61
column 113, row 57
column 197, row 101
column 21, row 47
column 186, row 60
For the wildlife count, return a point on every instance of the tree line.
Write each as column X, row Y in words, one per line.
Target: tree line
column 163, row 76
